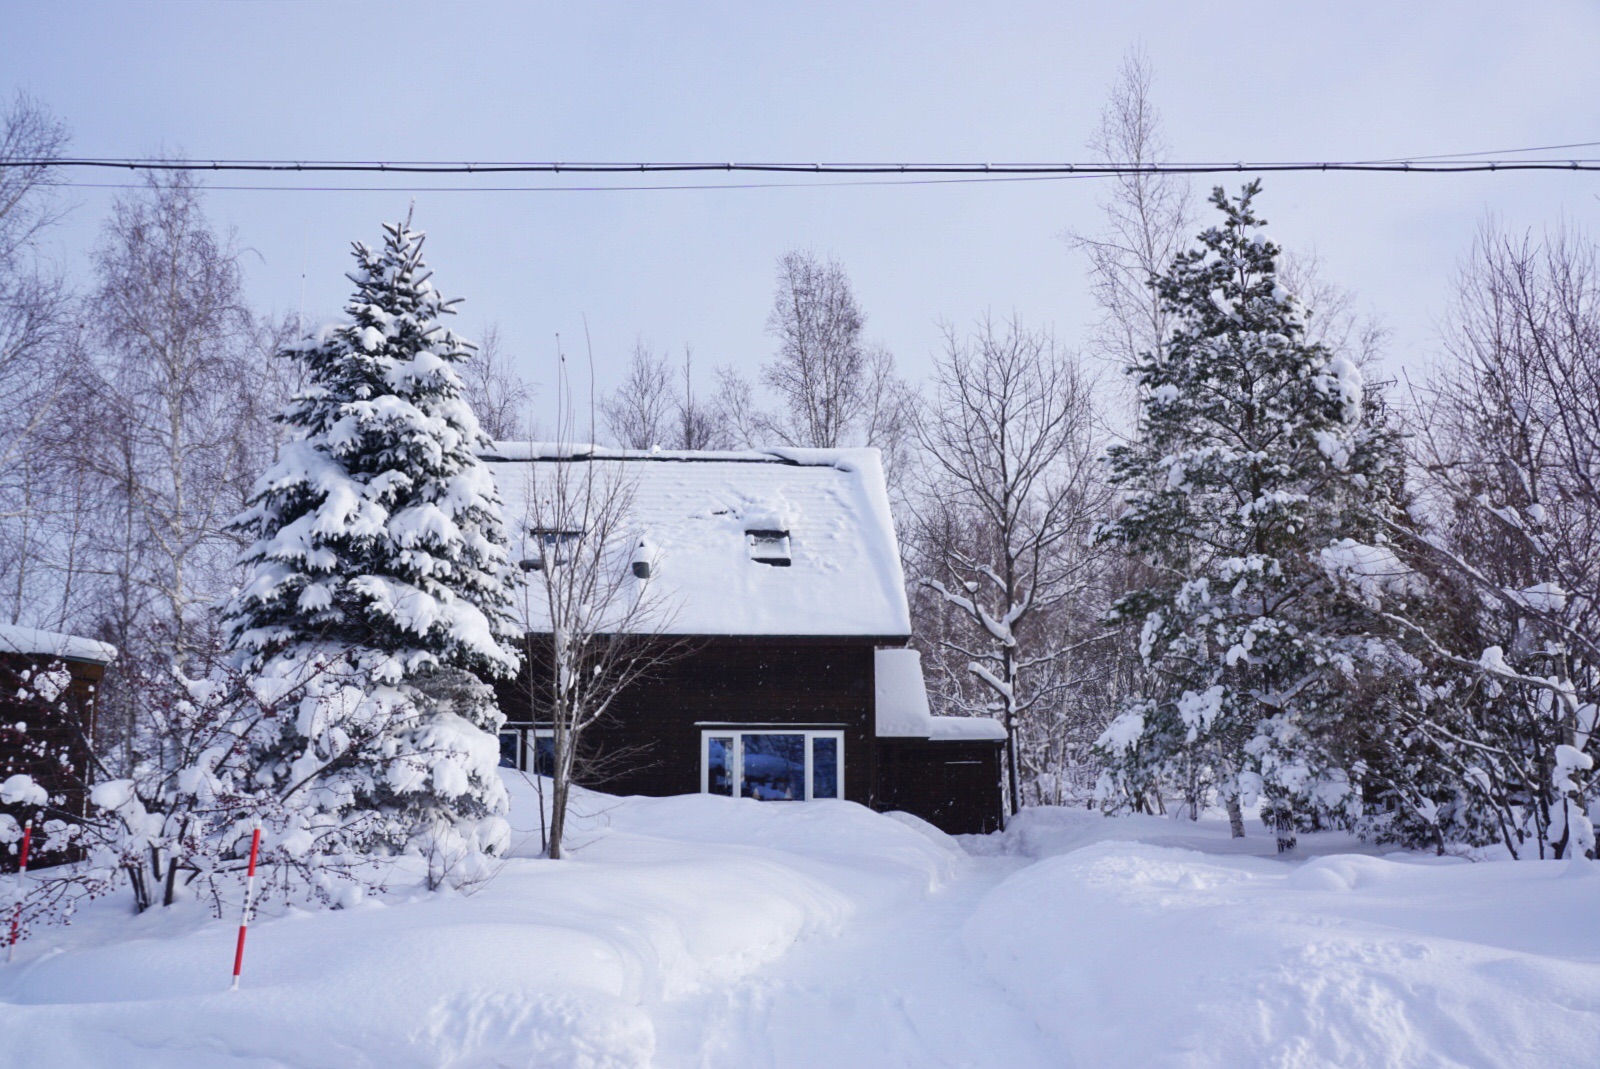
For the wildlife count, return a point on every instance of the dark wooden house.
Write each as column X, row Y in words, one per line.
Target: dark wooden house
column 48, row 684
column 780, row 573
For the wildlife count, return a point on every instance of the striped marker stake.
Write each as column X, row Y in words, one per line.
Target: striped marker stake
column 22, row 870
column 249, row 897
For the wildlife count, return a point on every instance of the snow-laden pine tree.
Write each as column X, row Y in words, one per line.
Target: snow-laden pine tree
column 379, row 582
column 1254, row 467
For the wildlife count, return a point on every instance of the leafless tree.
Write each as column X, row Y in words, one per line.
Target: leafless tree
column 655, row 406
column 35, row 335
column 820, row 368
column 498, row 395
column 833, row 388
column 638, row 413
column 1507, row 439
column 596, row 624
column 1012, row 482
column 700, row 424
column 1336, row 322
column 736, row 406
column 1147, row 221
column 180, row 387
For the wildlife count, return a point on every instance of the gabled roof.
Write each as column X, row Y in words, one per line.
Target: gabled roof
column 695, row 512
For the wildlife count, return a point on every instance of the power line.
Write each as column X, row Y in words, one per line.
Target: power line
column 1491, row 152
column 1416, row 165
column 869, row 182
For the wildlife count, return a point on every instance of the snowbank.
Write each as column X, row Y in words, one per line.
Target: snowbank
column 549, row 964
column 1132, row 954
column 719, row 932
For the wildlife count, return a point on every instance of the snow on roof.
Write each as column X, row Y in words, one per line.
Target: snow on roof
column 966, row 728
column 711, row 523
column 900, row 699
column 35, row 643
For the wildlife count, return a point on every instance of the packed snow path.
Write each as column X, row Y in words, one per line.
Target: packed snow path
column 896, row 988
column 698, row 933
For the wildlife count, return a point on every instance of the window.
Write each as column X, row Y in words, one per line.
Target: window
column 528, row 748
column 771, row 764
column 554, row 546
column 769, row 547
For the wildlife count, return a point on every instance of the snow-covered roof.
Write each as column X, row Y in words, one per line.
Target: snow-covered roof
column 900, row 698
column 35, row 643
column 709, row 520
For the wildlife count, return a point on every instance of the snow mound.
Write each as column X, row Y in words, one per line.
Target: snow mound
column 1141, row 955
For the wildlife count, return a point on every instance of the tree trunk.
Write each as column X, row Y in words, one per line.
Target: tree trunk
column 1235, row 818
column 1009, row 667
column 1011, row 762
column 558, row 813
column 1283, row 828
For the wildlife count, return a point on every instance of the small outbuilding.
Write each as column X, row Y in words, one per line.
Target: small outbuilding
column 48, row 686
column 778, row 574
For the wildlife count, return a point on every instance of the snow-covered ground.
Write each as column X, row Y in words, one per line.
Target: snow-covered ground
column 708, row 932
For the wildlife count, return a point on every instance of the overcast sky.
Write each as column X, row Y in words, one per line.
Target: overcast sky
column 819, row 81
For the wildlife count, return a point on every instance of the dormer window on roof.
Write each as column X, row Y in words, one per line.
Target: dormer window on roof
column 554, row 548
column 769, row 547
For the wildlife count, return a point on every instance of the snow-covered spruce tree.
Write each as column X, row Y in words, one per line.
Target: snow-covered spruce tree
column 378, row 580
column 1254, row 466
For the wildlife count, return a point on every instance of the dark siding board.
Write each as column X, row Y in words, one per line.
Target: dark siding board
column 954, row 785
column 651, row 742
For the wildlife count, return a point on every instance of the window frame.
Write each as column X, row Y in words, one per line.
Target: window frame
column 524, row 731
column 736, row 776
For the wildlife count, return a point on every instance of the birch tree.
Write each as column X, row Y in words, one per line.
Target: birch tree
column 832, row 386
column 182, row 425
column 34, row 349
column 1147, row 219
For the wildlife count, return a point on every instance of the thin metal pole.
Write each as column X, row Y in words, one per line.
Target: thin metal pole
column 249, row 899
column 22, row 870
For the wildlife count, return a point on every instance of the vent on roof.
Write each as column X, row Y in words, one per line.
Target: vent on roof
column 644, row 559
column 769, row 547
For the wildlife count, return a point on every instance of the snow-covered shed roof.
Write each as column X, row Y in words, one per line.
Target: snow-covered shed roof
column 761, row 542
column 900, row 700
column 32, row 642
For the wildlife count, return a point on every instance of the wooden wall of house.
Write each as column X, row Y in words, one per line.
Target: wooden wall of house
column 952, row 784
column 651, row 743
column 64, row 768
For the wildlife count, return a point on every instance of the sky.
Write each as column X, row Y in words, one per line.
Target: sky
column 820, row 81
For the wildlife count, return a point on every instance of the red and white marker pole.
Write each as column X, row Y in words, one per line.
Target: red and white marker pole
column 249, row 898
column 22, row 870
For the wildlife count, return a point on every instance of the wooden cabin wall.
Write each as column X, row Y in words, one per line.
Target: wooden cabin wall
column 651, row 743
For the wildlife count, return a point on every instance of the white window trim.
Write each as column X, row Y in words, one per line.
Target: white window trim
column 525, row 732
column 734, row 731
